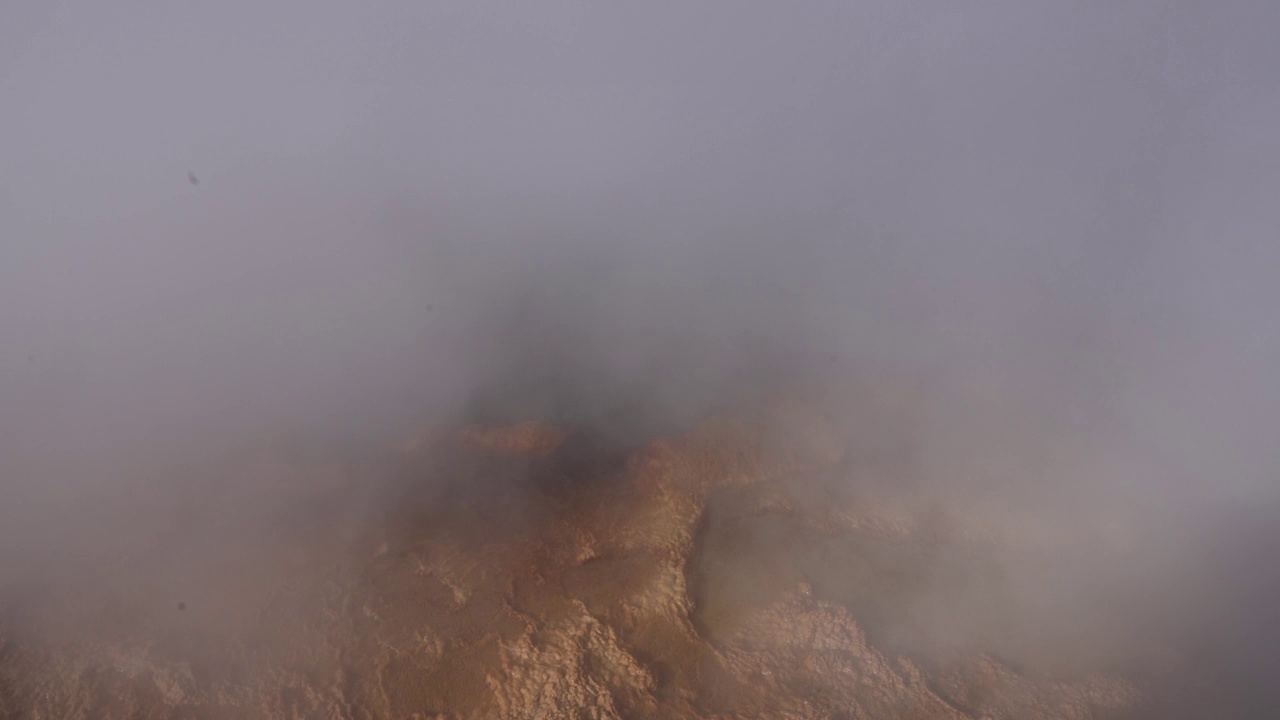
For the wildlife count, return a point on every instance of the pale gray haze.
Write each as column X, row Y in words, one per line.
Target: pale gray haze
column 223, row 223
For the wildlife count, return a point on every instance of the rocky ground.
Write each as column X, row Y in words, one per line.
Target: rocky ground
column 529, row 571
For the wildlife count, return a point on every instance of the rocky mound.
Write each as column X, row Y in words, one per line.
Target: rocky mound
column 531, row 572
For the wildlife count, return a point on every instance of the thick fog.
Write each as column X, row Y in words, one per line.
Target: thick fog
column 225, row 223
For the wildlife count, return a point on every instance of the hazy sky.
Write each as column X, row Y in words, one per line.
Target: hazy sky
column 906, row 180
column 399, row 202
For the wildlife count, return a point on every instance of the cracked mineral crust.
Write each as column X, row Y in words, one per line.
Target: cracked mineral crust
column 530, row 572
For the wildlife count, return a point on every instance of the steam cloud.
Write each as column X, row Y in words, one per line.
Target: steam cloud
column 1056, row 223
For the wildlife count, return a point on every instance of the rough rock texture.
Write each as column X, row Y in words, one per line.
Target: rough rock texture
column 527, row 572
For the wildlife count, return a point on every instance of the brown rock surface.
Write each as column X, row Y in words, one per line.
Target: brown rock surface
column 711, row 575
